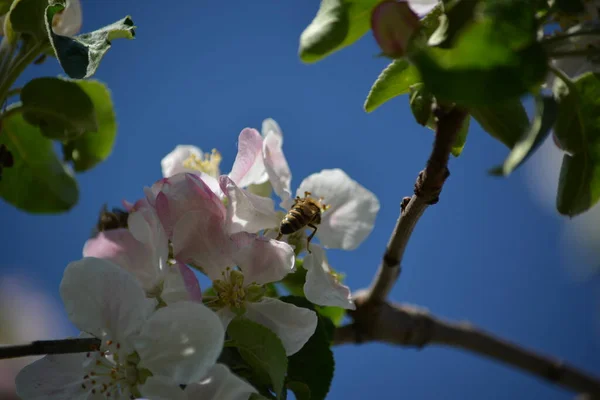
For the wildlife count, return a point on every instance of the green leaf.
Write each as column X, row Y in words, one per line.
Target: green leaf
column 461, row 139
column 536, row 134
column 26, row 17
column 579, row 182
column 506, row 121
column 256, row 396
column 80, row 56
column 431, row 21
column 93, row 147
column 458, row 14
column 338, row 24
column 260, row 348
column 37, row 182
column 578, row 131
column 294, row 282
column 578, row 120
column 301, row 390
column 5, row 6
column 394, row 80
column 60, row 108
column 570, row 6
column 420, row 101
column 313, row 365
column 481, row 69
column 334, row 314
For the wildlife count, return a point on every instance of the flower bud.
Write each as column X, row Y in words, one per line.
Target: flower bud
column 393, row 24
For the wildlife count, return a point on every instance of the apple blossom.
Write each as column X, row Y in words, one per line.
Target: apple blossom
column 200, row 228
column 143, row 352
column 66, row 22
column 143, row 250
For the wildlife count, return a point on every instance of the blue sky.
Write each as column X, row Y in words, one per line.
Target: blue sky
column 199, row 72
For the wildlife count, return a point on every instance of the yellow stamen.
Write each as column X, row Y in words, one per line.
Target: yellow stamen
column 208, row 163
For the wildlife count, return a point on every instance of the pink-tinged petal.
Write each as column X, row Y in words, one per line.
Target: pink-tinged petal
column 393, row 23
column 68, row 22
column 277, row 167
column 201, row 239
column 262, row 260
column 321, row 287
column 183, row 193
column 53, row 377
column 120, row 247
column 104, row 300
column 220, row 383
column 248, row 167
column 173, row 163
column 422, row 7
column 247, row 212
column 293, row 325
column 352, row 212
column 181, row 284
column 190, row 338
column 161, row 388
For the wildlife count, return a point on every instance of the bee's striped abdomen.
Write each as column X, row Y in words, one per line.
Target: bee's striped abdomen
column 294, row 221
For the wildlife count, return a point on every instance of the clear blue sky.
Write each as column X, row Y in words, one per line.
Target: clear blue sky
column 199, row 72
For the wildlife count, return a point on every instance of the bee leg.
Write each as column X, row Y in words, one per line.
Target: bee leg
column 279, row 236
column 309, row 238
column 306, row 194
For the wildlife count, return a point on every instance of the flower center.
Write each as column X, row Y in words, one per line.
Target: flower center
column 108, row 374
column 208, row 163
column 232, row 293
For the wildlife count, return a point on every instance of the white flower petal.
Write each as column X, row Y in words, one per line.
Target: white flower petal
column 248, row 212
column 104, row 300
column 225, row 315
column 262, row 260
column 120, row 247
column 248, row 167
column 321, row 287
column 161, row 388
column 53, row 377
column 422, row 7
column 352, row 211
column 220, row 384
column 269, row 125
column 180, row 284
column 68, row 22
column 293, row 325
column 200, row 239
column 172, row 163
column 180, row 341
column 277, row 167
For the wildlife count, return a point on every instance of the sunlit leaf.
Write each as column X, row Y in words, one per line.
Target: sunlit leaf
column 395, row 80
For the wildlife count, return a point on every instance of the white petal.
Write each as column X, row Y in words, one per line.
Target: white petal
column 180, row 341
column 262, row 260
column 352, row 211
column 180, row 284
column 269, row 125
column 277, row 167
column 422, row 7
column 294, row 325
column 225, row 315
column 104, row 300
column 200, row 239
column 120, row 247
column 53, row 377
column 321, row 287
column 220, row 384
column 161, row 388
column 248, row 167
column 68, row 23
column 248, row 212
column 172, row 163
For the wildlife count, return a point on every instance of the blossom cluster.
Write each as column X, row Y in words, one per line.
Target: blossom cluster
column 137, row 291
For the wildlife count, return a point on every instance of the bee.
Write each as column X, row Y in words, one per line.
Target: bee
column 306, row 212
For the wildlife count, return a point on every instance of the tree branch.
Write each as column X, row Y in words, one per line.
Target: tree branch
column 409, row 326
column 427, row 190
column 42, row 347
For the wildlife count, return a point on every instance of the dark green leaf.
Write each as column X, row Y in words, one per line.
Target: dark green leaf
column 256, row 396
column 513, row 21
column 532, row 138
column 570, row 6
column 459, row 13
column 313, row 365
column 420, row 101
column 579, row 182
column 481, row 69
column 461, row 139
column 506, row 121
column 61, row 108
column 338, row 24
column 301, row 390
column 260, row 348
column 294, row 282
column 80, row 56
column 394, row 80
column 431, row 21
column 26, row 17
column 5, row 6
column 37, row 182
column 93, row 147
column 578, row 120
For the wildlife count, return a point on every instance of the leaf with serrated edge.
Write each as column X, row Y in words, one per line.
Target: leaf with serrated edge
column 395, row 80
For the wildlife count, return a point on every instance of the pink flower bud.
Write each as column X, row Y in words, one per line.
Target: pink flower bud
column 393, row 24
